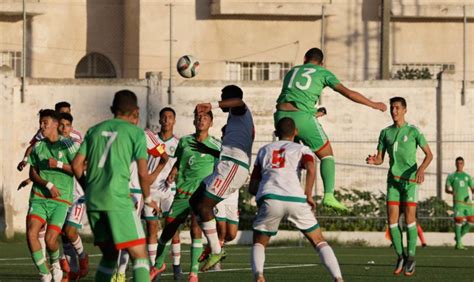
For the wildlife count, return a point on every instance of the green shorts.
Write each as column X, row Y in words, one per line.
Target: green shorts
column 180, row 209
column 402, row 192
column 123, row 228
column 309, row 129
column 49, row 211
column 463, row 210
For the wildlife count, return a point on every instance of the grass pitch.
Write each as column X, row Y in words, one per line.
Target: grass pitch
column 283, row 263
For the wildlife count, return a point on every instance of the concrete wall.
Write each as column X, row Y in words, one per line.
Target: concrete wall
column 353, row 129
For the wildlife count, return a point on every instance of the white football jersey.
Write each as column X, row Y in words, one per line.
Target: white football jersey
column 280, row 164
column 238, row 137
column 134, row 181
column 153, row 140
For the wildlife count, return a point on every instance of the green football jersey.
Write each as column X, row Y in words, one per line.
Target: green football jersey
column 109, row 148
column 193, row 166
column 63, row 150
column 401, row 144
column 303, row 86
column 461, row 182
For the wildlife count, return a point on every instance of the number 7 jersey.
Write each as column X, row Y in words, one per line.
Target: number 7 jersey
column 280, row 164
column 109, row 148
column 303, row 85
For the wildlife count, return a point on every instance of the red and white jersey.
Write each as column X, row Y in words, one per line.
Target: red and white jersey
column 78, row 191
column 238, row 137
column 279, row 164
column 157, row 146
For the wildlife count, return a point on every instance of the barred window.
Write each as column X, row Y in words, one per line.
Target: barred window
column 11, row 59
column 95, row 65
column 257, row 70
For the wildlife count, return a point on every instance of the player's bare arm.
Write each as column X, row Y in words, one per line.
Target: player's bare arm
column 448, row 189
column 255, row 181
column 228, row 103
column 154, row 174
column 36, row 178
column 420, row 173
column 376, row 159
column 144, row 180
column 310, row 178
column 67, row 168
column 359, row 98
column 79, row 165
column 21, row 165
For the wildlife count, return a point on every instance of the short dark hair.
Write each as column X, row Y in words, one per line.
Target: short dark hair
column 398, row 99
column 125, row 101
column 60, row 105
column 49, row 113
column 285, row 127
column 459, row 159
column 231, row 91
column 66, row 116
column 208, row 113
column 314, row 54
column 167, row 109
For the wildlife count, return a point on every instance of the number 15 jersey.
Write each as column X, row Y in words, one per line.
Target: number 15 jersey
column 109, row 148
column 280, row 164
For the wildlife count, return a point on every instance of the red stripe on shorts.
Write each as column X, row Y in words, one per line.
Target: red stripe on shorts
column 37, row 217
column 55, row 228
column 393, row 203
column 129, row 244
column 228, row 180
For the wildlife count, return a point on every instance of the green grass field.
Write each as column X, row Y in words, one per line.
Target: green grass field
column 284, row 263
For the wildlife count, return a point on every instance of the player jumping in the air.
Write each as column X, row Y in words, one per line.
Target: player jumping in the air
column 400, row 141
column 232, row 169
column 275, row 182
column 458, row 184
column 189, row 170
column 107, row 151
column 51, row 194
column 302, row 87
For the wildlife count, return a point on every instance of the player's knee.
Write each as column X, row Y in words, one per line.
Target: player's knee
column 230, row 235
column 51, row 239
column 71, row 233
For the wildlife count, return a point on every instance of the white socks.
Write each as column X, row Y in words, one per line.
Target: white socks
column 79, row 247
column 258, row 259
column 176, row 252
column 328, row 258
column 123, row 261
column 210, row 230
column 152, row 252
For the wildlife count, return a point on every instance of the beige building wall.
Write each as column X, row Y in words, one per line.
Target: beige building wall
column 134, row 34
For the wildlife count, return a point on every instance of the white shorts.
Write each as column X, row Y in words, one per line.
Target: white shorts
column 228, row 209
column 76, row 213
column 227, row 178
column 163, row 199
column 271, row 212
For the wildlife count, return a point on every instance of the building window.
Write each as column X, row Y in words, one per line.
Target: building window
column 257, row 70
column 11, row 59
column 95, row 65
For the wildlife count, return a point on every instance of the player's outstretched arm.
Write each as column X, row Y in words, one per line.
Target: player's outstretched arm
column 375, row 159
column 144, row 180
column 24, row 161
column 359, row 98
column 310, row 178
column 228, row 103
column 420, row 173
column 154, row 174
column 36, row 178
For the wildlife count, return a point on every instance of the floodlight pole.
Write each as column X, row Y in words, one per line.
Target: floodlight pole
column 463, row 91
column 170, row 86
column 23, row 56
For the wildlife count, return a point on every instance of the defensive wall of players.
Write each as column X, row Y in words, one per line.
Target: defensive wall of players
column 353, row 129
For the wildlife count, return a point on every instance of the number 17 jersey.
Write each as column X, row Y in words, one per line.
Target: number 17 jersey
column 303, row 85
column 109, row 148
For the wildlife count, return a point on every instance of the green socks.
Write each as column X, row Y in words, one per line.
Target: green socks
column 412, row 238
column 396, row 235
column 53, row 256
column 40, row 261
column 465, row 228
column 328, row 173
column 458, row 232
column 196, row 250
column 141, row 270
column 162, row 251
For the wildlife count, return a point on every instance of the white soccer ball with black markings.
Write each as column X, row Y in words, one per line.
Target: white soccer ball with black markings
column 187, row 66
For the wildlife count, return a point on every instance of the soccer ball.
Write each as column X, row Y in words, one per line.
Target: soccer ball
column 187, row 66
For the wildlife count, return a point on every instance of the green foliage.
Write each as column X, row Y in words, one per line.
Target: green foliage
column 413, row 73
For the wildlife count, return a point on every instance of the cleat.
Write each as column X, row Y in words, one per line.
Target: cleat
column 205, row 254
column 259, row 278
column 64, row 264
column 460, row 246
column 410, row 267
column 212, row 260
column 119, row 277
column 84, row 266
column 424, row 245
column 56, row 272
column 177, row 272
column 73, row 276
column 193, row 277
column 155, row 273
column 330, row 201
column 399, row 265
